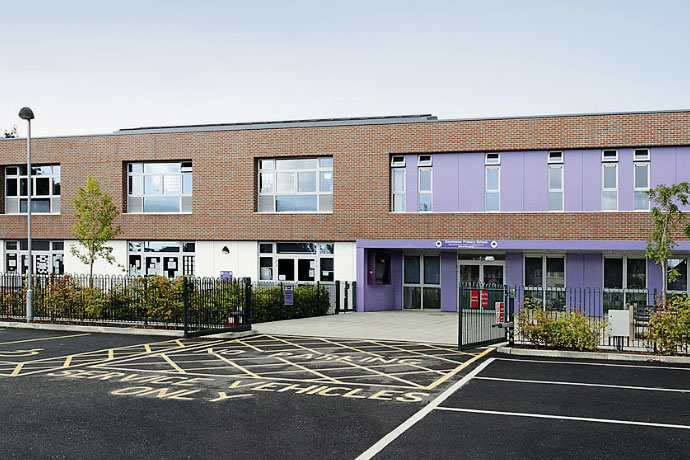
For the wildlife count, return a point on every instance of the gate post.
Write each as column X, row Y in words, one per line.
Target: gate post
column 459, row 316
column 354, row 296
column 248, row 300
column 337, row 297
column 347, row 289
column 185, row 301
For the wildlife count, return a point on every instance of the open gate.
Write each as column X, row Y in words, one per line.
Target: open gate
column 480, row 308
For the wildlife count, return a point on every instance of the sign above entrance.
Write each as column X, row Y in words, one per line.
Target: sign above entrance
column 466, row 244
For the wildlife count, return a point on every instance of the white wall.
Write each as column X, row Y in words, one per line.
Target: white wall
column 3, row 267
column 242, row 260
column 345, row 261
column 75, row 266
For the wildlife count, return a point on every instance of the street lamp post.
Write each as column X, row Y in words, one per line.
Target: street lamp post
column 28, row 115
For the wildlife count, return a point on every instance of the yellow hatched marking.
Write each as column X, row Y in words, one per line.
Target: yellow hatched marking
column 250, row 346
column 374, row 371
column 173, row 364
column 16, row 370
column 416, row 353
column 147, row 347
column 331, row 379
column 458, row 369
column 68, row 360
column 449, row 350
column 111, row 354
column 237, row 366
column 44, row 338
column 179, row 342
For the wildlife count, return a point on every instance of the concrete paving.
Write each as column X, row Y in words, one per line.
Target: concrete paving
column 412, row 326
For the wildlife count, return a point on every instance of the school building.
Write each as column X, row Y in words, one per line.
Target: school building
column 407, row 206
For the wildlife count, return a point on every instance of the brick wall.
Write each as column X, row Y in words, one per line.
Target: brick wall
column 224, row 183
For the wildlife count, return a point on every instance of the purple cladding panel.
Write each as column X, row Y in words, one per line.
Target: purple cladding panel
column 654, row 279
column 449, row 290
column 535, row 178
column 575, row 269
column 471, row 189
column 411, row 183
column 446, row 187
column 372, row 297
column 591, row 180
column 625, row 179
column 513, row 273
column 572, row 180
column 512, row 182
column 683, row 168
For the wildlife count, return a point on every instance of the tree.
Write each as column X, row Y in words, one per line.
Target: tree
column 11, row 133
column 667, row 218
column 95, row 213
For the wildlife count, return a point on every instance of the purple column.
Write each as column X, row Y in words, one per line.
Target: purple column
column 411, row 204
column 654, row 279
column 361, row 279
column 591, row 180
column 591, row 293
column 572, row 180
column 513, row 274
column 449, row 285
column 535, row 190
column 625, row 180
column 512, row 181
column 446, row 186
column 471, row 189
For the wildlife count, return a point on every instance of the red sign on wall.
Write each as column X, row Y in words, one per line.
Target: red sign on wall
column 474, row 298
column 485, row 299
column 500, row 312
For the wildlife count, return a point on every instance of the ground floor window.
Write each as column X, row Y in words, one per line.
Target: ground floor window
column 625, row 282
column 487, row 269
column 422, row 281
column 680, row 284
column 297, row 261
column 166, row 258
column 48, row 256
column 545, row 280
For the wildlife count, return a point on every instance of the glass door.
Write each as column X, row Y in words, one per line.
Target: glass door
column 422, row 282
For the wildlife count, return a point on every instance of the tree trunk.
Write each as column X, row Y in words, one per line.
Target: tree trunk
column 91, row 275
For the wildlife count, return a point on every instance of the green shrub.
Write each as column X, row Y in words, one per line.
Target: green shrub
column 308, row 300
column 569, row 330
column 669, row 326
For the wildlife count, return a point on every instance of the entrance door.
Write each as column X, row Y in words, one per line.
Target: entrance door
column 481, row 271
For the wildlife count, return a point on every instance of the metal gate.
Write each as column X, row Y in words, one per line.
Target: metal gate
column 477, row 307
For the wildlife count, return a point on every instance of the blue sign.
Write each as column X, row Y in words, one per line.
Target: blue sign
column 226, row 276
column 466, row 244
column 289, row 294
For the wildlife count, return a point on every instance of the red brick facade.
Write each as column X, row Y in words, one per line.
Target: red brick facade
column 224, row 178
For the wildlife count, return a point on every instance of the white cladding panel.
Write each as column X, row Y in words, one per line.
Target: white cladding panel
column 75, row 266
column 345, row 261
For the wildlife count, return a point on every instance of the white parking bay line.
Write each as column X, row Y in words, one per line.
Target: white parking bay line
column 407, row 424
column 564, row 417
column 584, row 384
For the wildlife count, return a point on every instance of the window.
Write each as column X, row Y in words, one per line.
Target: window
column 680, row 284
column 555, row 185
column 493, row 188
column 424, row 188
column 398, row 185
column 159, row 187
column 609, row 180
column 397, row 161
column 641, row 180
column 295, row 185
column 625, row 282
column 297, row 261
column 48, row 257
column 45, row 189
column 545, row 280
column 422, row 282
column 165, row 258
column 492, row 159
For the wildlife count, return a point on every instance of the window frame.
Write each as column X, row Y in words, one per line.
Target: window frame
column 552, row 159
column 604, row 165
column 181, row 255
column 687, row 275
column 544, row 288
column 551, row 189
column 487, row 168
column 317, row 256
column 638, row 163
column 19, row 253
column 429, row 192
column 184, row 170
column 274, row 192
column 422, row 283
column 31, row 182
column 492, row 159
column 402, row 193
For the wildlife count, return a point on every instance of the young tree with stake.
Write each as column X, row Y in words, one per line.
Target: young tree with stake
column 95, row 213
column 667, row 218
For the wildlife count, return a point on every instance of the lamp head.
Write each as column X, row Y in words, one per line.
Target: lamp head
column 26, row 114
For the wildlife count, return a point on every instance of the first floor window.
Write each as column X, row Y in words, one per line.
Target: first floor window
column 641, row 186
column 48, row 257
column 164, row 187
column 625, row 282
column 545, row 280
column 45, row 189
column 398, row 189
column 295, row 185
column 493, row 188
column 165, row 258
column 425, row 190
column 421, row 281
column 555, row 198
column 297, row 261
column 609, row 186
column 680, row 284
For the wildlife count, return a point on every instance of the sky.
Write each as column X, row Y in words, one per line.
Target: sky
column 88, row 67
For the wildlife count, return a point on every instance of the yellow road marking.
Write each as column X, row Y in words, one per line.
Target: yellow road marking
column 44, row 338
column 68, row 360
column 237, row 366
column 179, row 342
column 414, row 352
column 458, row 369
column 309, row 370
column 147, row 347
column 449, row 350
column 250, row 346
column 173, row 364
column 16, row 370
column 111, row 354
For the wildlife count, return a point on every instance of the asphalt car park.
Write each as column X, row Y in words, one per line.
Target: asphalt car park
column 78, row 395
